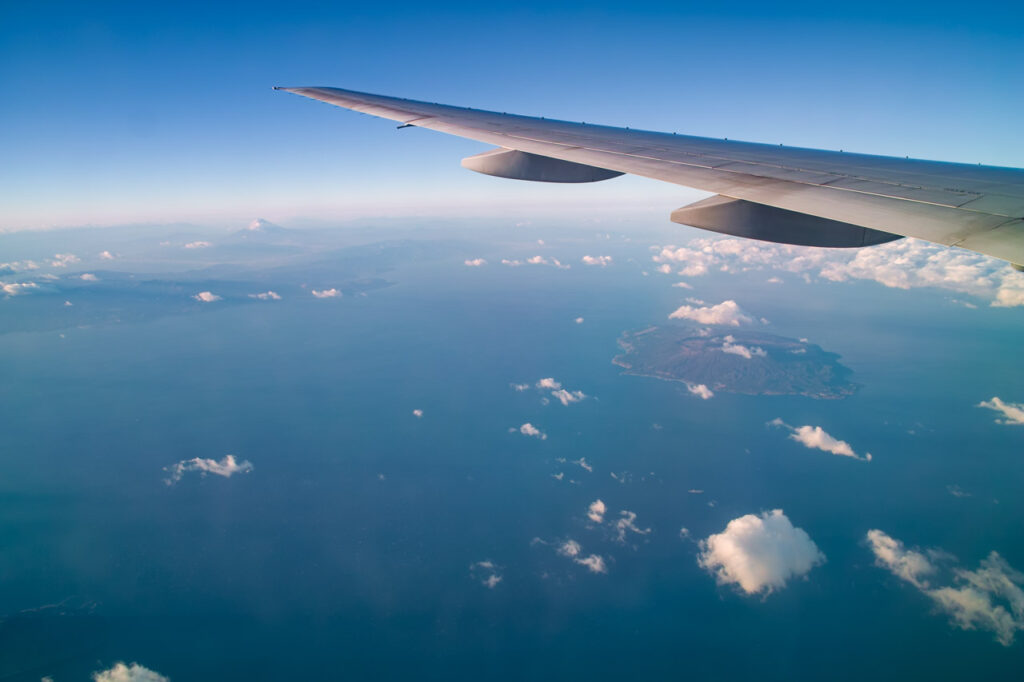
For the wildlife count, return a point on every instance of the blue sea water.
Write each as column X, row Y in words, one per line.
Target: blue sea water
column 346, row 552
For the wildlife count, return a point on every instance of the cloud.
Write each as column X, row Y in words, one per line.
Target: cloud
column 701, row 391
column 16, row 288
column 601, row 261
column 226, row 467
column 198, row 245
column 487, row 572
column 990, row 598
column 759, row 553
column 817, row 438
column 904, row 563
column 529, row 429
column 626, row 524
column 578, row 320
column 206, row 297
column 571, row 549
column 267, row 296
column 106, row 255
column 902, row 264
column 62, row 260
column 520, row 387
column 728, row 346
column 725, row 313
column 327, row 293
column 1013, row 413
column 583, row 464
column 548, row 383
column 596, row 510
column 128, row 673
column 88, row 277
column 417, row 413
column 566, row 397
column 683, row 285
column 536, row 260
column 475, row 262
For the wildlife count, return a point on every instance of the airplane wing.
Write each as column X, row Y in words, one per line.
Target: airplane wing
column 774, row 193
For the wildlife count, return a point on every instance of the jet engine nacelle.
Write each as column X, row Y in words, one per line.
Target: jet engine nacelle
column 517, row 165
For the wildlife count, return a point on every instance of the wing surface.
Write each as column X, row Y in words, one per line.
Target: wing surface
column 979, row 208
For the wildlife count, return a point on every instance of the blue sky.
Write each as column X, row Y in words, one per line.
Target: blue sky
column 130, row 113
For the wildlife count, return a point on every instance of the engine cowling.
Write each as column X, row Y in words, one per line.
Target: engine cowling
column 517, row 165
column 767, row 223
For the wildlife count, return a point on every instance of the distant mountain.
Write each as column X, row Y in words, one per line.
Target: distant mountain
column 261, row 226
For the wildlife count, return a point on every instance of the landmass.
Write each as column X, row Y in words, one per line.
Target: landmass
column 751, row 363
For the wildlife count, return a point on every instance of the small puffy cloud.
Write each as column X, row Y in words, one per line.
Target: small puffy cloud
column 683, row 285
column 596, row 510
column 106, row 255
column 748, row 352
column 226, row 467
column 567, row 397
column 989, row 598
column 198, row 245
column 88, row 277
column 627, row 524
column 759, row 553
column 908, row 564
column 16, row 288
column 817, row 438
column 583, row 464
column 1013, row 413
column 701, row 391
column 578, row 320
column 62, row 260
column 206, row 297
column 327, row 293
column 475, row 262
column 487, row 572
column 417, row 413
column 266, row 296
column 520, row 387
column 601, row 261
column 128, row 673
column 665, row 269
column 594, row 563
column 529, row 429
column 511, row 263
column 549, row 383
column 725, row 313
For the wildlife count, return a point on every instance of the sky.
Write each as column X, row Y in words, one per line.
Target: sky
column 120, row 113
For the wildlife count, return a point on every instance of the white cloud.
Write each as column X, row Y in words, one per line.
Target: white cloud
column 902, row 264
column 206, row 297
column 910, row 565
column 106, row 255
column 128, row 673
column 475, row 262
column 1013, row 413
column 566, row 397
column 759, row 553
column 327, row 293
column 597, row 260
column 68, row 304
column 583, row 464
column 817, row 438
column 683, row 285
column 725, row 313
column 226, row 467
column 990, row 598
column 15, row 288
column 728, row 346
column 88, row 277
column 596, row 510
column 701, row 391
column 520, row 387
column 627, row 524
column 487, row 572
column 417, row 413
column 267, row 296
column 572, row 550
column 774, row 280
column 578, row 320
column 594, row 562
column 62, row 260
column 548, row 383
column 529, row 429
column 198, row 245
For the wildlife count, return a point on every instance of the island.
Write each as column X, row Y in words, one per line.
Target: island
column 751, row 363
